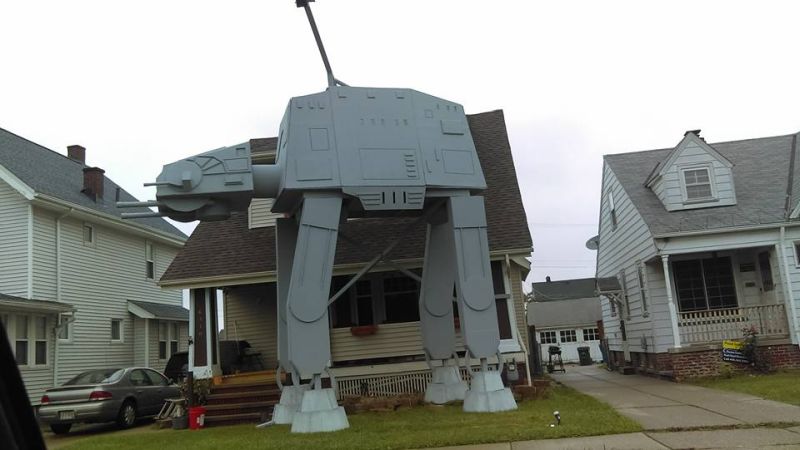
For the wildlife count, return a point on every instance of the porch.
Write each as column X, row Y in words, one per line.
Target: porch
column 699, row 327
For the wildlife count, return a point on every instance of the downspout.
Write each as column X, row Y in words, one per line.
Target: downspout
column 519, row 337
column 788, row 283
column 58, row 294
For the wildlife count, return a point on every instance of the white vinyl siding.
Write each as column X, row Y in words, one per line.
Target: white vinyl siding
column 617, row 256
column 251, row 315
column 98, row 281
column 260, row 215
column 14, row 214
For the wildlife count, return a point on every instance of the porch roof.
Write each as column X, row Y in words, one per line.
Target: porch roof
column 32, row 305
column 764, row 171
column 230, row 248
column 149, row 310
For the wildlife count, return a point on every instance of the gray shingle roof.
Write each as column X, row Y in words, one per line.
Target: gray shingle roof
column 165, row 312
column 230, row 248
column 33, row 304
column 760, row 175
column 51, row 173
column 565, row 313
column 564, row 289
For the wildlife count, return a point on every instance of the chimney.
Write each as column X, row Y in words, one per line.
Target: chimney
column 93, row 182
column 77, row 153
column 547, row 278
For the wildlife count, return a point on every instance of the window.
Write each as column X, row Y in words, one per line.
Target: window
column 162, row 340
column 150, row 266
column 156, row 379
column 703, row 284
column 64, row 330
column 138, row 377
column 501, row 301
column 21, row 340
column 28, row 336
column 40, row 345
column 797, row 254
column 173, row 339
column 613, row 306
column 591, row 334
column 116, row 329
column 354, row 307
column 401, row 299
column 641, row 272
column 612, row 208
column 697, row 184
column 88, row 234
column 547, row 337
column 568, row 336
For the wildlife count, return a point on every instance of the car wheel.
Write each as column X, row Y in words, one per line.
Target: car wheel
column 127, row 414
column 60, row 428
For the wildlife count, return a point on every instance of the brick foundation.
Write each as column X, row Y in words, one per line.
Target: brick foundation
column 689, row 363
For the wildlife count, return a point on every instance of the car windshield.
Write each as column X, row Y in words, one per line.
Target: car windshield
column 100, row 376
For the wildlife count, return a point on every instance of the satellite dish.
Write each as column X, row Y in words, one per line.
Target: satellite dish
column 593, row 243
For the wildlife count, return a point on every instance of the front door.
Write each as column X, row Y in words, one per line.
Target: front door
column 748, row 279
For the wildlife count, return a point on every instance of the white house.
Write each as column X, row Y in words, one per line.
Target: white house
column 703, row 239
column 565, row 314
column 78, row 284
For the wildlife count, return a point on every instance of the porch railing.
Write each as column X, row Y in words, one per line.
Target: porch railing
column 720, row 324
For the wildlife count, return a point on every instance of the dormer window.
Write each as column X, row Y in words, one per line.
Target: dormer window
column 697, row 184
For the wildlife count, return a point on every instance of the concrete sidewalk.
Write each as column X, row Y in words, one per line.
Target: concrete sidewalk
column 753, row 438
column 661, row 405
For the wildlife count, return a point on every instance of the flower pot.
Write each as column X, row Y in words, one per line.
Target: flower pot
column 364, row 330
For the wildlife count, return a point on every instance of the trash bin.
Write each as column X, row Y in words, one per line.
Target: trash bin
column 584, row 356
column 197, row 417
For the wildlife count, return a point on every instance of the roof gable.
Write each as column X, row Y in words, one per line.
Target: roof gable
column 690, row 138
column 37, row 170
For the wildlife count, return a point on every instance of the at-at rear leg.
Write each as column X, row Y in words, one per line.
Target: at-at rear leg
column 291, row 395
column 307, row 328
column 477, row 311
column 436, row 313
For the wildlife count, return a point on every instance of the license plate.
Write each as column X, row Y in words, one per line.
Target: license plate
column 66, row 415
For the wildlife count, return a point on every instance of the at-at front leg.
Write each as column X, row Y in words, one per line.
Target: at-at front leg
column 307, row 328
column 291, row 395
column 477, row 309
column 436, row 313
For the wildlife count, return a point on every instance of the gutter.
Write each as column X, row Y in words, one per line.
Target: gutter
column 109, row 220
column 774, row 226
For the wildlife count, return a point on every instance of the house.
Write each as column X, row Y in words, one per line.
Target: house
column 375, row 338
column 565, row 314
column 700, row 241
column 78, row 285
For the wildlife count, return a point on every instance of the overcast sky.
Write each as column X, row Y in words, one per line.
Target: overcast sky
column 144, row 83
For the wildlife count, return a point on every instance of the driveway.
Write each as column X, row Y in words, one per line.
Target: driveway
column 662, row 405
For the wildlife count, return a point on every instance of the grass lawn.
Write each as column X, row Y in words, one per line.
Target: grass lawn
column 425, row 426
column 780, row 386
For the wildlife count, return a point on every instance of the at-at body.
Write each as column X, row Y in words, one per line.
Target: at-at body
column 352, row 152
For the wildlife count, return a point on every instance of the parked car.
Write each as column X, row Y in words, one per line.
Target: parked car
column 106, row 395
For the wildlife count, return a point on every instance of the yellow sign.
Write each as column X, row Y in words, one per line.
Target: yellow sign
column 732, row 345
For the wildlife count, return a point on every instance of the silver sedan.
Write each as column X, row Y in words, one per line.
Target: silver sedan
column 106, row 395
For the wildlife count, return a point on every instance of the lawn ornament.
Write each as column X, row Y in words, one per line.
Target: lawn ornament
column 360, row 152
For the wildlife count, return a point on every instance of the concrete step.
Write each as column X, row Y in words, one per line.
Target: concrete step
column 262, row 386
column 242, row 397
column 236, row 408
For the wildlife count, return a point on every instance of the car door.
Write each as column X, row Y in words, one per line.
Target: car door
column 143, row 390
column 161, row 389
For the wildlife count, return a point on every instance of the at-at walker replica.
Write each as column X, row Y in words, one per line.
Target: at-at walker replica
column 360, row 152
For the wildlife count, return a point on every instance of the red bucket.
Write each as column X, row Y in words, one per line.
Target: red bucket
column 197, row 417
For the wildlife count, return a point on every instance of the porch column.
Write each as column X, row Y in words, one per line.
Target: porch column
column 788, row 298
column 673, row 311
column 203, row 346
